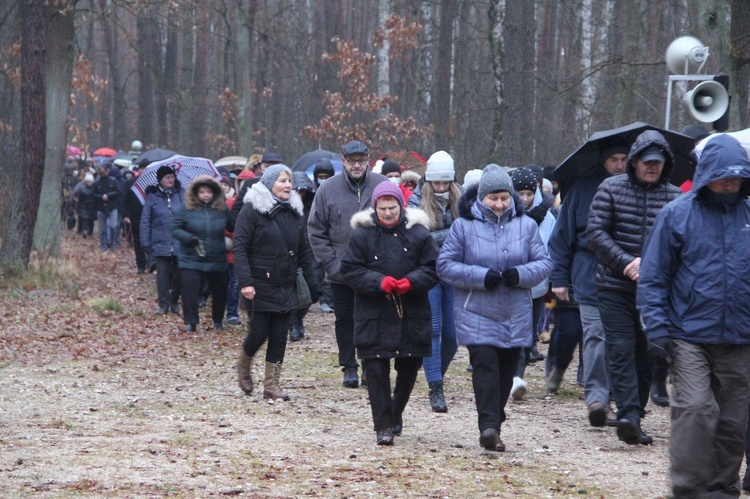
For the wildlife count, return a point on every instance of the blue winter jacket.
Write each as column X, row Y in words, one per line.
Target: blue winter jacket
column 477, row 242
column 695, row 271
column 574, row 263
column 156, row 220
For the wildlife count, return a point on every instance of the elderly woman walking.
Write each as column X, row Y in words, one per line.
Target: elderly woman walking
column 390, row 264
column 270, row 246
column 493, row 256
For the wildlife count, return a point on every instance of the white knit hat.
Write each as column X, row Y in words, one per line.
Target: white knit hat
column 440, row 168
column 472, row 178
column 88, row 178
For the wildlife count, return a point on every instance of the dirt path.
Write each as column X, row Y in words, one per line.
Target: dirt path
column 124, row 404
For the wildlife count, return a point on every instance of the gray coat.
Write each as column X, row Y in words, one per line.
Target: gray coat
column 336, row 201
column 477, row 242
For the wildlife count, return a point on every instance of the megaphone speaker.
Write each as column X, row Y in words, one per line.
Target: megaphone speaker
column 686, row 55
column 708, row 101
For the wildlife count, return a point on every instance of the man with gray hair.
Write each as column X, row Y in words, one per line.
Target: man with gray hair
column 338, row 198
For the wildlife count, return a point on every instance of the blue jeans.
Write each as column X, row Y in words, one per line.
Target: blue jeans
column 233, row 294
column 443, row 332
column 568, row 333
column 107, row 228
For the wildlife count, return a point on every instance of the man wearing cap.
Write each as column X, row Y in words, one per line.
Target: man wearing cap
column 693, row 293
column 622, row 215
column 268, row 159
column 340, row 197
column 574, row 273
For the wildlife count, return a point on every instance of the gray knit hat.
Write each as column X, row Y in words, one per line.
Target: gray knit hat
column 272, row 173
column 494, row 179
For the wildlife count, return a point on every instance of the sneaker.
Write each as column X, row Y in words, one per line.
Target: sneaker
column 351, row 380
column 174, row 308
column 519, row 389
column 325, row 308
column 161, row 311
column 190, row 328
column 218, row 326
column 385, row 436
column 554, row 379
column 235, row 321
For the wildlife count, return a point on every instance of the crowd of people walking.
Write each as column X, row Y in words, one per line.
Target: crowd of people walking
column 648, row 280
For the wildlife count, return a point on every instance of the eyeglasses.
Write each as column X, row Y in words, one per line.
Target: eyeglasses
column 360, row 162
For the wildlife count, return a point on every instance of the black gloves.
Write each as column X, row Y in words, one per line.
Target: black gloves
column 660, row 350
column 492, row 279
column 511, row 277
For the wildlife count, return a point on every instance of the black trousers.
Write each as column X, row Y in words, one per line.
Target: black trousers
column 141, row 260
column 630, row 371
column 386, row 409
column 492, row 377
column 271, row 326
column 191, row 290
column 168, row 281
column 343, row 308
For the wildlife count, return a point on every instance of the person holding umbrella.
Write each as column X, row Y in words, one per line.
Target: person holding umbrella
column 574, row 273
column 622, row 215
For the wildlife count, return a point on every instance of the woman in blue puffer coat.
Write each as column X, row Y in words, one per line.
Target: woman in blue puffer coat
column 493, row 256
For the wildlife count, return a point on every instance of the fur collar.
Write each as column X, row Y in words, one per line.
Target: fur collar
column 191, row 195
column 469, row 197
column 413, row 216
column 263, row 202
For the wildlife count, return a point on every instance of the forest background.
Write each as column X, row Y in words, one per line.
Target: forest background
column 510, row 82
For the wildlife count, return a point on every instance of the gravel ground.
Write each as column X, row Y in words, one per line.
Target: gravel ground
column 125, row 404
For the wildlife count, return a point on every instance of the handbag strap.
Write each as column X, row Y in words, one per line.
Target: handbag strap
column 289, row 251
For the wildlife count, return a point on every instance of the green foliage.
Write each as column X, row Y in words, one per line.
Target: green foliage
column 104, row 304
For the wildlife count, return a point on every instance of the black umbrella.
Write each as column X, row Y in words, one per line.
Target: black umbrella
column 586, row 158
column 310, row 158
column 154, row 155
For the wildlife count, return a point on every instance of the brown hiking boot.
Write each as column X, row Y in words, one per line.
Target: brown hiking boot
column 271, row 388
column 244, row 376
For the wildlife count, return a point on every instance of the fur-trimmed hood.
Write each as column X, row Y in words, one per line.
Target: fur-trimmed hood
column 191, row 194
column 469, row 197
column 413, row 216
column 262, row 200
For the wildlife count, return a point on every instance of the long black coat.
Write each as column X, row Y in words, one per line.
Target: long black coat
column 267, row 254
column 374, row 251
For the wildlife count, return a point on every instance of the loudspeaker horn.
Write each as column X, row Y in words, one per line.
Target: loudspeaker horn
column 708, row 101
column 686, row 49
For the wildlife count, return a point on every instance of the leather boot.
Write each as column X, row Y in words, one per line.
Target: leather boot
column 271, row 388
column 659, row 394
column 437, row 398
column 297, row 330
column 244, row 376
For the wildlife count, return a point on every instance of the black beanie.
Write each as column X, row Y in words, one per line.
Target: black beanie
column 390, row 166
column 524, row 179
column 163, row 171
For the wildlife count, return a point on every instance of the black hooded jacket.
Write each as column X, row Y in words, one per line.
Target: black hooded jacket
column 623, row 212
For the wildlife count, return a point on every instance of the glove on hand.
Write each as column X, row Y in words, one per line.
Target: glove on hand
column 660, row 350
column 511, row 277
column 492, row 279
column 403, row 286
column 388, row 284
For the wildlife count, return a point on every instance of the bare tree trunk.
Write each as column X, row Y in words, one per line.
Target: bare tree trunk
column 185, row 75
column 244, row 26
column 518, row 115
column 58, row 77
column 443, row 74
column 112, row 127
column 19, row 233
column 199, row 91
column 740, row 73
column 146, row 43
column 169, row 108
column 384, row 83
column 497, row 62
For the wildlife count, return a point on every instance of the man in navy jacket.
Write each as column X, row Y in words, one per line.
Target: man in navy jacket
column 693, row 294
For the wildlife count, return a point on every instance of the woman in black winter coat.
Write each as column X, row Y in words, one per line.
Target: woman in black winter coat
column 390, row 264
column 202, row 255
column 270, row 245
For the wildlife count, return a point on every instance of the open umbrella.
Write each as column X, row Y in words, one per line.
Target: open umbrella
column 104, row 151
column 154, row 155
column 743, row 136
column 185, row 167
column 231, row 162
column 586, row 158
column 75, row 151
column 336, row 167
column 310, row 158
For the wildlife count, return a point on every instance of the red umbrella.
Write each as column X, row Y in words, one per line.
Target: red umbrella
column 104, row 151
